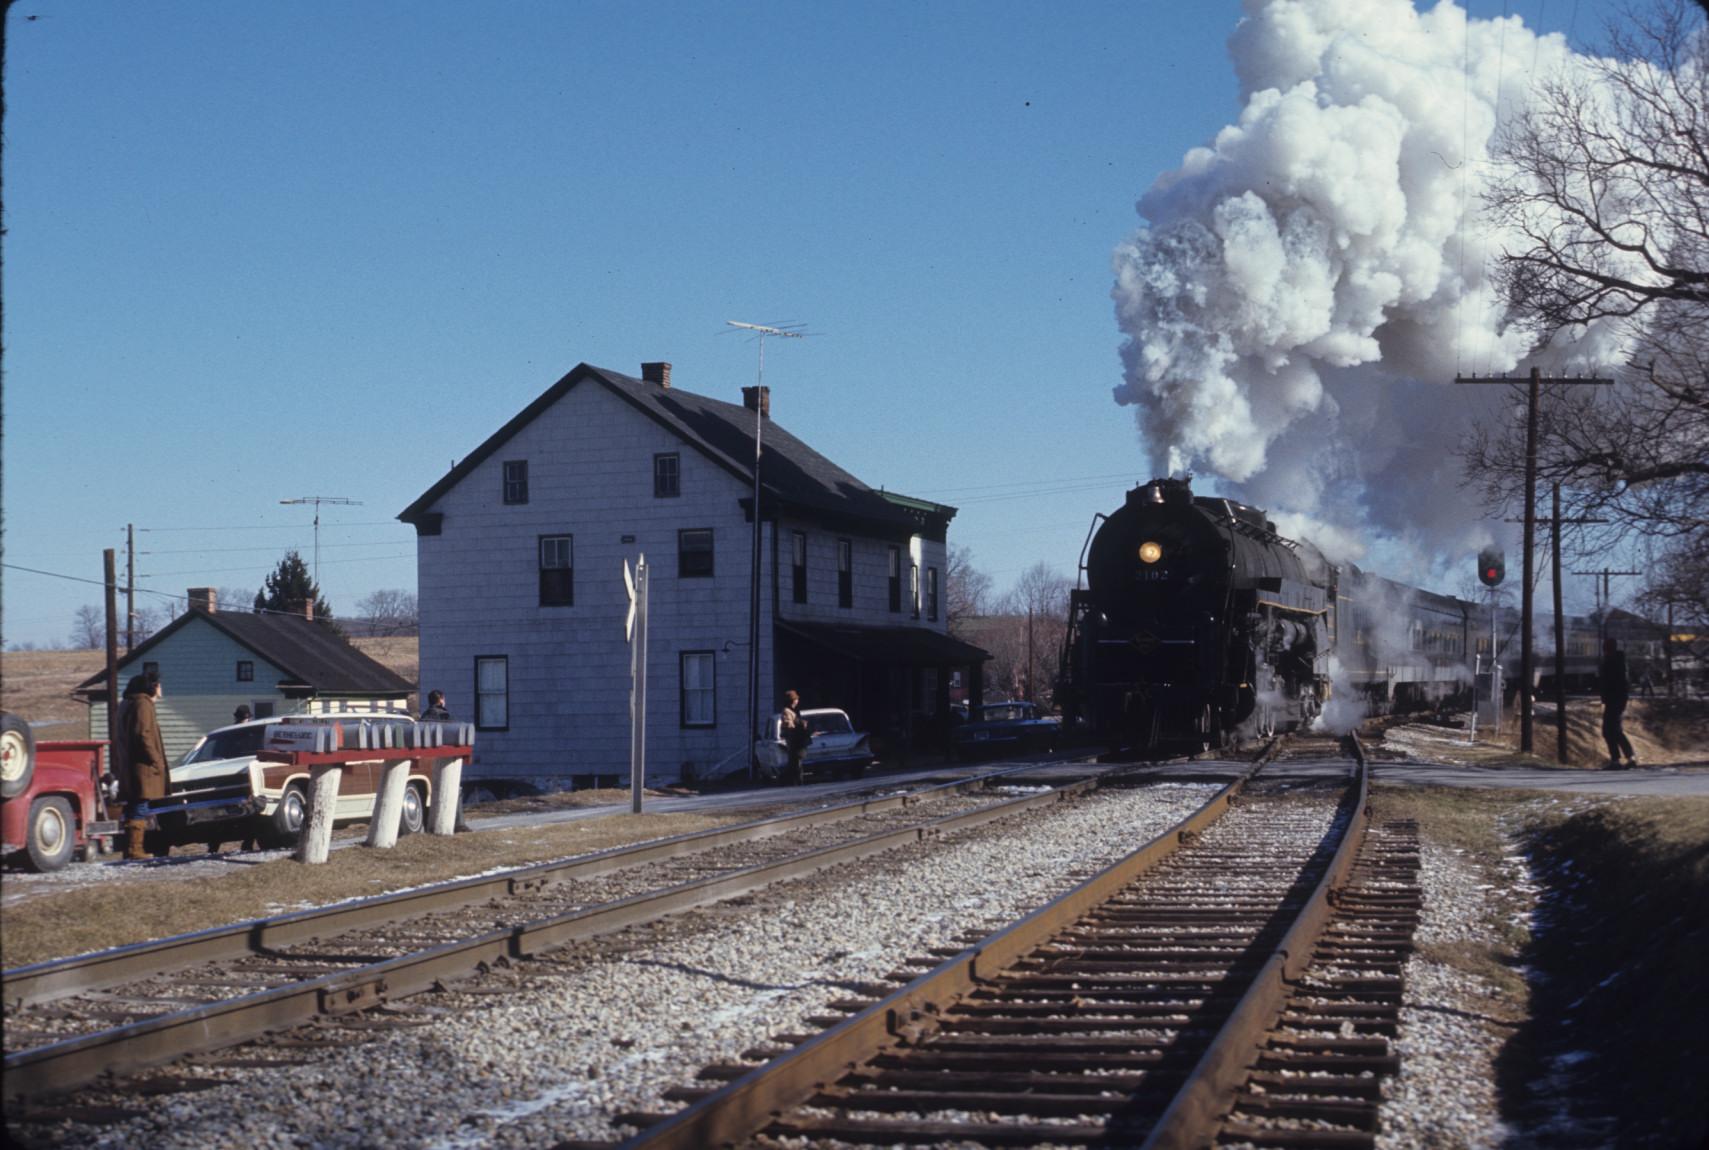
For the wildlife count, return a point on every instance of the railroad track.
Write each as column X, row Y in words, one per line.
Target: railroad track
column 1235, row 979
column 71, row 1021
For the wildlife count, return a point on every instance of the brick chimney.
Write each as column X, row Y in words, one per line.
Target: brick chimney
column 659, row 373
column 303, row 607
column 759, row 397
column 203, row 599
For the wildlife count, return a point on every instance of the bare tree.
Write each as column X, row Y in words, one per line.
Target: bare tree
column 967, row 590
column 1606, row 181
column 389, row 611
column 1024, row 635
column 89, row 628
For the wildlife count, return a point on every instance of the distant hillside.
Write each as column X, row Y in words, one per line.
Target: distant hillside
column 38, row 684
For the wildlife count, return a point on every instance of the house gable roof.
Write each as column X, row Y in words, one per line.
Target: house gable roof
column 311, row 654
column 792, row 474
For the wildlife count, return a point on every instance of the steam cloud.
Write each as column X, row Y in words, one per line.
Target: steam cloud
column 1310, row 282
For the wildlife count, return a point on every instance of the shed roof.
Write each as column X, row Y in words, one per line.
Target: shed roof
column 312, row 654
column 791, row 473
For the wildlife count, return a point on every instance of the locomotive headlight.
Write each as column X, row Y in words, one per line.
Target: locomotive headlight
column 1150, row 552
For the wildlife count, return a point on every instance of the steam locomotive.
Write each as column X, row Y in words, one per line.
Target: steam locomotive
column 1200, row 627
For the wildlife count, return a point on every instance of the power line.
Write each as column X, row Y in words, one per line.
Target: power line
column 277, row 526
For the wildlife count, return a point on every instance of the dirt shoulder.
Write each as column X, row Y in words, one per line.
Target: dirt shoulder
column 1585, row 967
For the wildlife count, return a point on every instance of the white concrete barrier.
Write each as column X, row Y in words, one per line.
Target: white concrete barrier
column 316, row 840
column 389, row 805
column 447, row 781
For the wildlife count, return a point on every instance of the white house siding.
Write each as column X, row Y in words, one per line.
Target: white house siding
column 199, row 685
column 590, row 475
column 871, row 598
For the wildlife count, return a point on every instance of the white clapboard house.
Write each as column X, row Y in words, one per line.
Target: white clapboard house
column 520, row 553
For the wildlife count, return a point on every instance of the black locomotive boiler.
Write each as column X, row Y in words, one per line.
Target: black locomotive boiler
column 1199, row 625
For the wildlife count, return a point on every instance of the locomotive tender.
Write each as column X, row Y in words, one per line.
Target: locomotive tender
column 1200, row 626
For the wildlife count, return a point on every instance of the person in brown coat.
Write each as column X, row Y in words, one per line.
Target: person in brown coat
column 142, row 760
column 796, row 737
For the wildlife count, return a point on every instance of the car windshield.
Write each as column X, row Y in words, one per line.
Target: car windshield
column 832, row 723
column 228, row 744
column 1005, row 712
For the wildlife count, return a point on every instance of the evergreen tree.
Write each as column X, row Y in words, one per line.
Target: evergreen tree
column 289, row 586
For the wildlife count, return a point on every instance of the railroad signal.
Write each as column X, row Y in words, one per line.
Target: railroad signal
column 1492, row 566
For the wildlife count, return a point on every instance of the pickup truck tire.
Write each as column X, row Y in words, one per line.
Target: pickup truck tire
column 414, row 817
column 17, row 755
column 290, row 815
column 53, row 833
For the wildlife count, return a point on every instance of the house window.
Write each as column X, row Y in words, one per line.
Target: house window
column 151, row 670
column 245, row 671
column 699, row 689
column 492, row 692
column 694, row 553
column 516, row 481
column 557, row 571
column 896, row 578
column 798, row 562
column 667, row 476
column 845, row 573
column 914, row 589
column 932, row 593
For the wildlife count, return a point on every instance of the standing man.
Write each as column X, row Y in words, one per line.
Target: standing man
column 437, row 712
column 142, row 773
column 1614, row 685
column 796, row 736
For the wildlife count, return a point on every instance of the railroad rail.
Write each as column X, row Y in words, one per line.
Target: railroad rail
column 322, row 962
column 1131, row 1010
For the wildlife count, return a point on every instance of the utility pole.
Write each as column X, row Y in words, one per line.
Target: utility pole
column 130, row 587
column 109, row 577
column 1604, row 596
column 1555, row 522
column 317, row 500
column 1526, row 590
column 760, row 404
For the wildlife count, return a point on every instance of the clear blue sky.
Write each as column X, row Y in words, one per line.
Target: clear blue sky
column 263, row 251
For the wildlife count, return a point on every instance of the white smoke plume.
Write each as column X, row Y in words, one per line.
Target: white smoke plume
column 1308, row 284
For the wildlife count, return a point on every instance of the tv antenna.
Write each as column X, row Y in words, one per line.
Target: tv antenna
column 317, row 500
column 787, row 331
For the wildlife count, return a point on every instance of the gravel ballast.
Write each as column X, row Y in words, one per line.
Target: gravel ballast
column 608, row 1035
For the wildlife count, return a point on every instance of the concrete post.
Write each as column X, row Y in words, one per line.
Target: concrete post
column 389, row 805
column 316, row 841
column 447, row 781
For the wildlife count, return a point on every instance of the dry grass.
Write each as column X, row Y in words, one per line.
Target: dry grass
column 1663, row 731
column 38, row 686
column 120, row 911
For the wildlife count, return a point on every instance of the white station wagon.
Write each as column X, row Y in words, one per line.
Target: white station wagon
column 836, row 747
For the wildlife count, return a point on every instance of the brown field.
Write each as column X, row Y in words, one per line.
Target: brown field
column 38, row 684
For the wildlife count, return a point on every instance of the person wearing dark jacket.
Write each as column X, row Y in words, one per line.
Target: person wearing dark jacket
column 142, row 762
column 1614, row 685
column 796, row 737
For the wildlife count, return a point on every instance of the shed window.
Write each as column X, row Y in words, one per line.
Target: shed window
column 516, row 481
column 246, row 670
column 694, row 553
column 557, row 571
column 492, row 692
column 667, row 476
column 845, row 573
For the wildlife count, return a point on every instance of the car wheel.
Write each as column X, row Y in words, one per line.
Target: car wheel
column 17, row 756
column 414, row 817
column 52, row 833
column 291, row 813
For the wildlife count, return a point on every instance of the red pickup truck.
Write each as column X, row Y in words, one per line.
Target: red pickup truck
column 49, row 805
